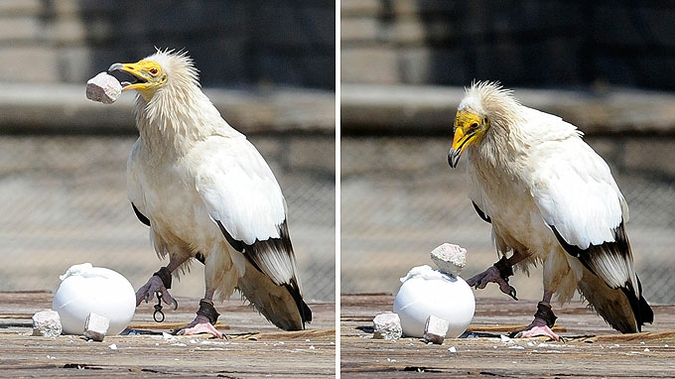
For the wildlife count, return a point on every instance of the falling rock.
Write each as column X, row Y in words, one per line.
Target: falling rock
column 387, row 326
column 47, row 323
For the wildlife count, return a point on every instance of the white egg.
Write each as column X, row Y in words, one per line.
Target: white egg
column 428, row 292
column 85, row 289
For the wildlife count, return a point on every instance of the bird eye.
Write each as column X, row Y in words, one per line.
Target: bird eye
column 153, row 71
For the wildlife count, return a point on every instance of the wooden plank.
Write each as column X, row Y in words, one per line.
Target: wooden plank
column 255, row 348
column 592, row 348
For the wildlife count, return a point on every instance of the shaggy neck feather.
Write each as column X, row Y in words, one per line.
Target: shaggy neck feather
column 176, row 118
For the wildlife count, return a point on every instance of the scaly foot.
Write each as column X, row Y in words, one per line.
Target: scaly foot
column 493, row 275
column 200, row 325
column 160, row 282
column 538, row 328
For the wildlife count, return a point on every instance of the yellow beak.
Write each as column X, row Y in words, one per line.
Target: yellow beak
column 469, row 127
column 136, row 70
column 457, row 148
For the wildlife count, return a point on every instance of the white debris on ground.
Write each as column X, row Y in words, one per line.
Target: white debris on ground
column 169, row 337
column 103, row 88
column 387, row 326
column 449, row 258
column 47, row 323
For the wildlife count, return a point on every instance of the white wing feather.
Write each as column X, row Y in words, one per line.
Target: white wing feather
column 575, row 192
column 240, row 190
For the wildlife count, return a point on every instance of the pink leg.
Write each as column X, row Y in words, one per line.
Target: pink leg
column 205, row 320
column 201, row 325
column 538, row 328
column 543, row 321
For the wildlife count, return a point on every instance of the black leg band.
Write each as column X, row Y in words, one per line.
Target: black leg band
column 165, row 275
column 207, row 310
column 504, row 267
column 545, row 313
column 505, row 270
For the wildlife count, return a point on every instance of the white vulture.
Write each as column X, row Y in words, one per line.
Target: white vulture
column 552, row 201
column 207, row 194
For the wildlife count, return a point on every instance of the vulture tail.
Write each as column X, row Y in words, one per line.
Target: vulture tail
column 609, row 280
column 620, row 307
column 282, row 305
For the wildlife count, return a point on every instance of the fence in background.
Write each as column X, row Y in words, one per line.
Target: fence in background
column 63, row 202
column 400, row 199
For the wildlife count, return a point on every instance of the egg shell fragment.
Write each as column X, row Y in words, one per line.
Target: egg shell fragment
column 86, row 289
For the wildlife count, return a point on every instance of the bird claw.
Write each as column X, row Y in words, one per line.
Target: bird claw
column 155, row 288
column 544, row 319
column 492, row 275
column 511, row 292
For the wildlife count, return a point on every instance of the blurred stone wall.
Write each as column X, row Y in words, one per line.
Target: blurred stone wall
column 233, row 42
column 520, row 43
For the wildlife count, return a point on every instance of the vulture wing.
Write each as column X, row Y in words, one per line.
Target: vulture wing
column 580, row 201
column 243, row 197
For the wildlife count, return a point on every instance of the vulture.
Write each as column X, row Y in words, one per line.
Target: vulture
column 207, row 194
column 551, row 201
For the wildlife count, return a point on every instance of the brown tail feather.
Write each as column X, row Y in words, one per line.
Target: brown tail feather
column 281, row 305
column 620, row 307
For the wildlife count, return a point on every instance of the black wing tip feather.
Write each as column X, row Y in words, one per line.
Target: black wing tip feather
column 141, row 217
column 303, row 308
column 619, row 247
column 251, row 252
column 642, row 312
column 481, row 214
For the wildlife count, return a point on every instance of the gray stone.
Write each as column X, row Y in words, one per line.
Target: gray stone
column 387, row 326
column 103, row 88
column 435, row 329
column 96, row 326
column 449, row 258
column 47, row 323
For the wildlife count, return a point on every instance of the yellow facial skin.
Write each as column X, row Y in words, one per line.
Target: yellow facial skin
column 469, row 129
column 149, row 74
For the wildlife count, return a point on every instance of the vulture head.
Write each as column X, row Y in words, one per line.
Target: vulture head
column 162, row 69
